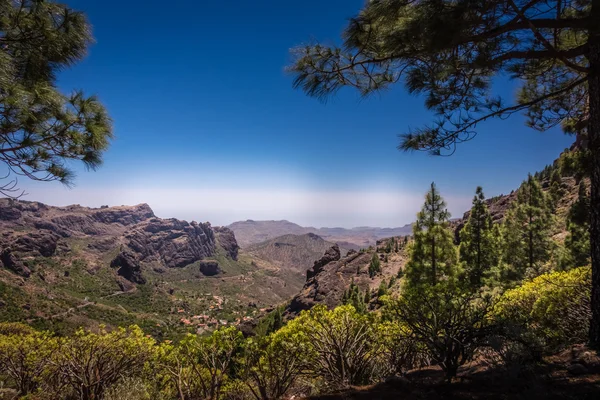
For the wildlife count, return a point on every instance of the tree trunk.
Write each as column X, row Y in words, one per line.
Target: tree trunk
column 594, row 145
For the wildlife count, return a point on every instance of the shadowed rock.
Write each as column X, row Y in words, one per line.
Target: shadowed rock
column 129, row 267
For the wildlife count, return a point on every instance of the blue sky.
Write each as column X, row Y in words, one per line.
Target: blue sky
column 208, row 126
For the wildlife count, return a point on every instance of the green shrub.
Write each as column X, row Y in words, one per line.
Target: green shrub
column 553, row 309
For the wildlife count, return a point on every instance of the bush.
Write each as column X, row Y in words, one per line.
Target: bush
column 89, row 363
column 342, row 344
column 553, row 309
column 450, row 326
column 271, row 365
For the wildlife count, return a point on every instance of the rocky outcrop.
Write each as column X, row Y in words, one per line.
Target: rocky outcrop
column 172, row 242
column 331, row 255
column 11, row 262
column 328, row 279
column 209, row 268
column 36, row 243
column 31, row 229
column 226, row 239
column 128, row 267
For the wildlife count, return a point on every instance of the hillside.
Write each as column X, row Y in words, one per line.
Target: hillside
column 253, row 232
column 293, row 252
column 63, row 267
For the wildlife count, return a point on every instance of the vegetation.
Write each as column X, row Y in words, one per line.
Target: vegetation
column 478, row 245
column 451, row 52
column 432, row 253
column 41, row 128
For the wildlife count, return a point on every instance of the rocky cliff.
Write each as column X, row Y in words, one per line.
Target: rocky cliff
column 134, row 234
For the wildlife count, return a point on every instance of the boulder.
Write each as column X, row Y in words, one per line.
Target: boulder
column 11, row 262
column 209, row 268
column 129, row 267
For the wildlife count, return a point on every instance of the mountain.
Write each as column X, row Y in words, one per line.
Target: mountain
column 63, row 267
column 295, row 252
column 252, row 232
column 333, row 273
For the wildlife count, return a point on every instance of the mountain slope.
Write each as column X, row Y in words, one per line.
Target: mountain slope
column 295, row 252
column 63, row 267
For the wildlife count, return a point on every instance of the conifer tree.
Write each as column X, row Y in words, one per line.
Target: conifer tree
column 450, row 52
column 477, row 252
column 42, row 129
column 527, row 233
column 577, row 242
column 355, row 298
column 432, row 253
column 374, row 266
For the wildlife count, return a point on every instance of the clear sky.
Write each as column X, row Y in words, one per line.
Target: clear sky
column 208, row 127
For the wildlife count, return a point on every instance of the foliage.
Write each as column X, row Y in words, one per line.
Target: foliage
column 26, row 358
column 450, row 325
column 88, row 363
column 432, row 253
column 553, row 308
column 477, row 250
column 354, row 297
column 451, row 52
column 400, row 350
column 374, row 266
column 527, row 233
column 199, row 367
column 577, row 242
column 343, row 343
column 41, row 128
column 271, row 365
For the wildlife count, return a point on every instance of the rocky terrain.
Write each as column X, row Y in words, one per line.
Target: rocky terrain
column 295, row 252
column 252, row 232
column 61, row 267
column 333, row 273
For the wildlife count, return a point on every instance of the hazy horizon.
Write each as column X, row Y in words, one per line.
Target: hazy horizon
column 201, row 135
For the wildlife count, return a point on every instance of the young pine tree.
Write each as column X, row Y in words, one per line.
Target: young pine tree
column 577, row 243
column 477, row 251
column 374, row 266
column 432, row 252
column 527, row 242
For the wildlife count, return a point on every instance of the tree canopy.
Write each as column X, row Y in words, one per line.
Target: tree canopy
column 42, row 129
column 451, row 52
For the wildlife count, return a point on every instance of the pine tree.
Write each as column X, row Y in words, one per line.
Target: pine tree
column 354, row 297
column 374, row 266
column 577, row 242
column 477, row 252
column 383, row 289
column 527, row 233
column 450, row 52
column 432, row 253
column 42, row 130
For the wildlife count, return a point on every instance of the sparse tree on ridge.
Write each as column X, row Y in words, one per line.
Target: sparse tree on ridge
column 451, row 51
column 41, row 129
column 432, row 253
column 477, row 250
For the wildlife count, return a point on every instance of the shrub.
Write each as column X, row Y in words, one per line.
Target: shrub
column 271, row 365
column 342, row 343
column 89, row 363
column 553, row 309
column 450, row 325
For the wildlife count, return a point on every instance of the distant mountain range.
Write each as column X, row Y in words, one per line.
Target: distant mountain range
column 251, row 232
